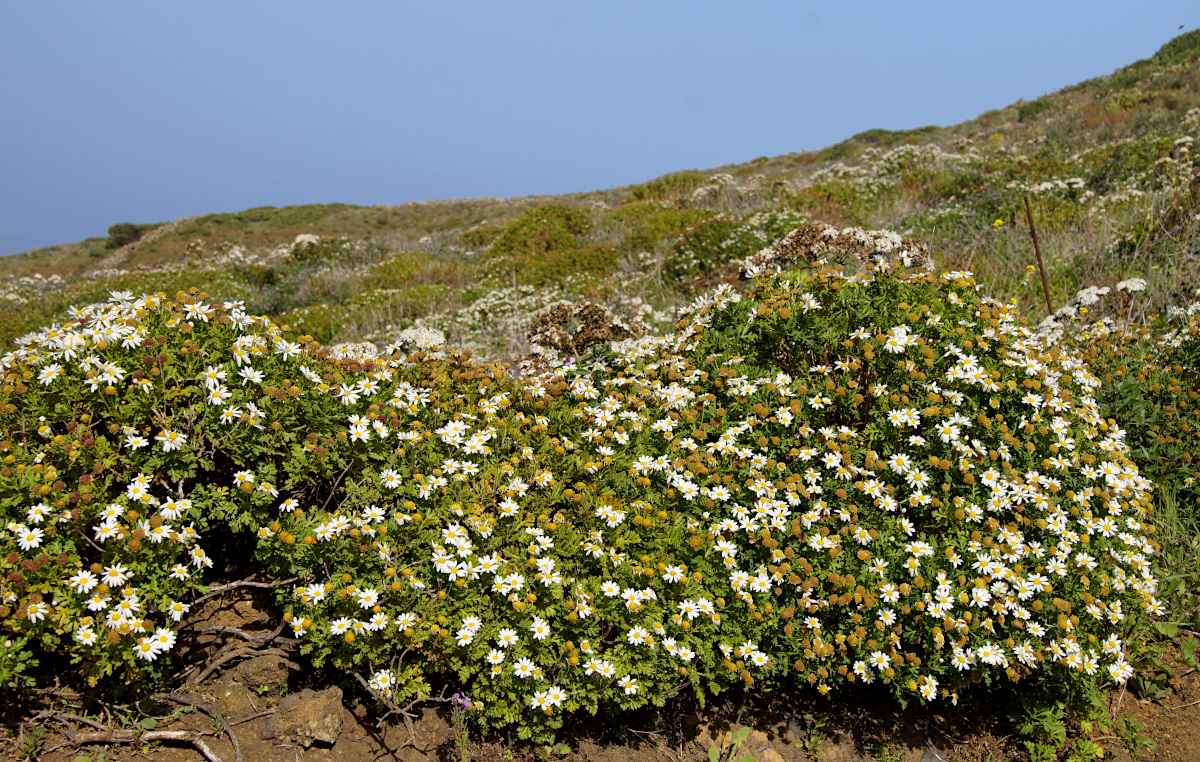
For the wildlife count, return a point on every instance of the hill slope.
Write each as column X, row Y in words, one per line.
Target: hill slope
column 1107, row 164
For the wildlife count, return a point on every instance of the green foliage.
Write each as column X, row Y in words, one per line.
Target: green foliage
column 481, row 237
column 1150, row 384
column 1133, row 737
column 544, row 230
column 546, row 245
column 1029, row 111
column 879, row 138
column 262, row 216
column 726, row 238
column 321, row 250
column 1117, row 164
column 15, row 660
column 654, row 221
column 579, row 542
column 1183, row 49
column 124, row 233
column 888, row 751
column 30, row 742
column 835, row 202
column 670, row 187
column 542, row 244
column 731, row 754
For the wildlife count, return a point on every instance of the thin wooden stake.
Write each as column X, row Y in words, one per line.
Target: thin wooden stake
column 1038, row 250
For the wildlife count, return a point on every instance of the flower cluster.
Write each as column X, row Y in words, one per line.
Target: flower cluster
column 881, row 478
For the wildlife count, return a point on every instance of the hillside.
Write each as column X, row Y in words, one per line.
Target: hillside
column 1107, row 165
column 695, row 469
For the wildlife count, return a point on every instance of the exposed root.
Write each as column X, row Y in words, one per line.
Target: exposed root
column 233, row 739
column 227, row 657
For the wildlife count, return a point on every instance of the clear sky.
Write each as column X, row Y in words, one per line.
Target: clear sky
column 149, row 111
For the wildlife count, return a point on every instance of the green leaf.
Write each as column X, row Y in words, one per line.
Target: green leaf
column 713, row 754
column 149, row 723
column 1166, row 629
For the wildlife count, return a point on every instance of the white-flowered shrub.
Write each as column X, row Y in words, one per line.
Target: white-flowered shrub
column 877, row 479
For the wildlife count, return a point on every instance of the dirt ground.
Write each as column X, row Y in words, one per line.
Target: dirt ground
column 254, row 699
column 1173, row 723
column 780, row 734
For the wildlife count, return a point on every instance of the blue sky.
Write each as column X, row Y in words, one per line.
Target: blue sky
column 146, row 112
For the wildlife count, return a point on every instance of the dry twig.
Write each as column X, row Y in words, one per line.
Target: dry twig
column 129, row 736
column 233, row 739
column 215, row 591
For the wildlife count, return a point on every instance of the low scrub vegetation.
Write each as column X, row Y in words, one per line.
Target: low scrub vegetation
column 827, row 455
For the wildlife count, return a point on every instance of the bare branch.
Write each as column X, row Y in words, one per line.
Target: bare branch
column 215, row 591
column 253, row 717
column 260, row 639
column 129, row 736
column 63, row 717
column 237, row 747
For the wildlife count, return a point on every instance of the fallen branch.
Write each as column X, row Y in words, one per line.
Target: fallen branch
column 215, row 591
column 129, row 736
column 63, row 716
column 262, row 639
column 253, row 717
column 233, row 739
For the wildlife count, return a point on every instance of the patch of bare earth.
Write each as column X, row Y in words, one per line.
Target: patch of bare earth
column 246, row 699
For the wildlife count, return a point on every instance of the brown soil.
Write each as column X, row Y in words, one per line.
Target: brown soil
column 782, row 733
column 787, row 726
column 1173, row 723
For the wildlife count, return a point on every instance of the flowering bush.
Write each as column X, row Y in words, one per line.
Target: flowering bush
column 872, row 478
column 1150, row 382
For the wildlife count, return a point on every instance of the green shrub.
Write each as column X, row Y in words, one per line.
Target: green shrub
column 1182, row 49
column 844, row 479
column 1114, row 166
column 726, row 238
column 672, row 187
column 837, row 202
column 657, row 220
column 1027, row 112
column 1150, row 385
column 877, row 137
column 480, row 237
column 542, row 230
column 304, row 215
column 538, row 245
column 125, row 233
column 322, row 250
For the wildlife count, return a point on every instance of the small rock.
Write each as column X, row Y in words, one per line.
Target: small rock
column 272, row 671
column 234, row 699
column 799, row 726
column 935, row 752
column 839, row 748
column 248, row 613
column 754, row 740
column 756, row 744
column 308, row 716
